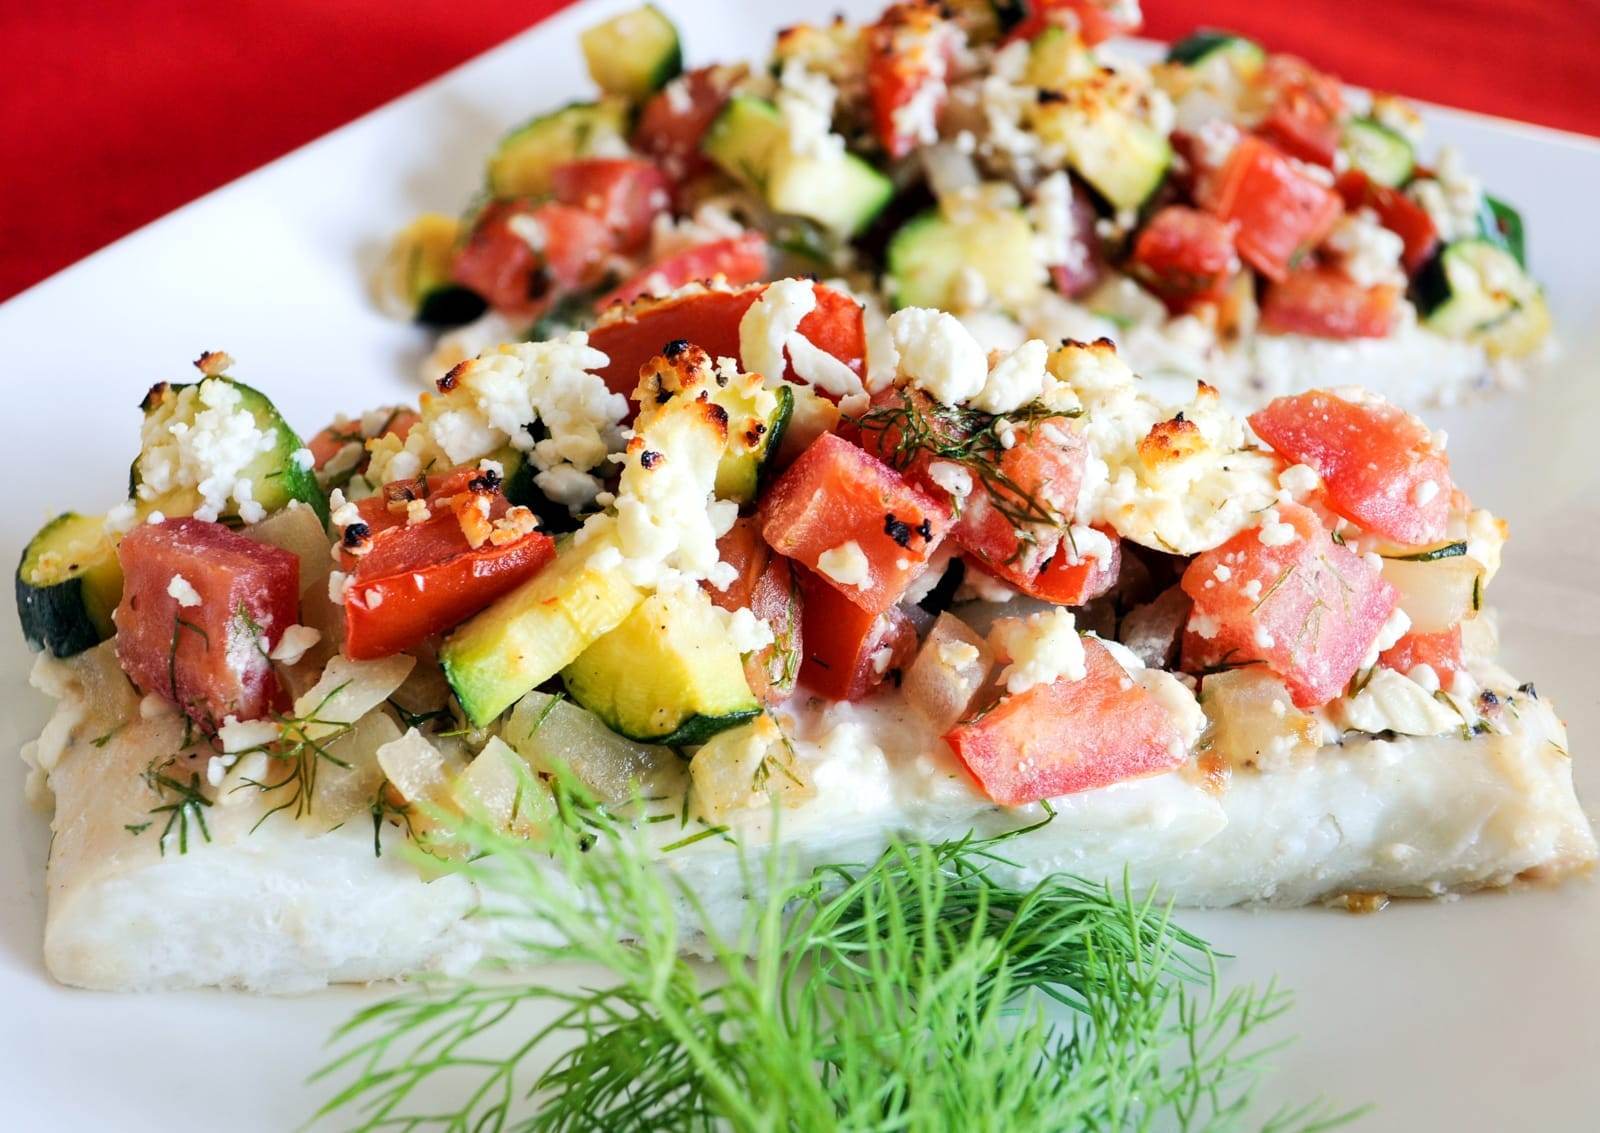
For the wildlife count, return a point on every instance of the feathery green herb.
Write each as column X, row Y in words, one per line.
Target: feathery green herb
column 907, row 994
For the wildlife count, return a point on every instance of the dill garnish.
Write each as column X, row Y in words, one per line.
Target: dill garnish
column 921, row 992
column 302, row 745
column 181, row 803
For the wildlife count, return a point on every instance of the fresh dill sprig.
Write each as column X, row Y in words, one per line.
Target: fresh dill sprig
column 302, row 746
column 181, row 802
column 919, row 992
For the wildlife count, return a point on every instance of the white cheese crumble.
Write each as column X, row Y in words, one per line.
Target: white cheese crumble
column 1042, row 648
column 1016, row 380
column 294, row 643
column 952, row 477
column 303, row 459
column 237, row 735
column 1452, row 198
column 937, row 354
column 847, row 565
column 181, row 589
column 338, row 584
column 805, row 101
column 1369, row 253
column 1424, row 492
column 1275, row 532
column 1299, row 480
column 748, row 633
column 203, row 439
column 956, row 654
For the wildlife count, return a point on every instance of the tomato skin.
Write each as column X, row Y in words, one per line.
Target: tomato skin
column 1185, row 256
column 499, row 265
column 842, row 639
column 738, row 260
column 1306, row 606
column 1062, row 581
column 419, row 579
column 675, row 119
column 207, row 665
column 625, row 194
column 710, row 320
column 1305, row 109
column 1324, row 303
column 767, row 587
column 1037, row 477
column 1096, row 20
column 1439, row 651
column 1069, row 736
column 576, row 243
column 1280, row 212
column 908, row 54
column 1395, row 211
column 1374, row 458
column 835, row 493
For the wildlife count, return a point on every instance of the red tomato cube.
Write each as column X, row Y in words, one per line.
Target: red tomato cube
column 1395, row 211
column 1066, row 580
column 1281, row 211
column 626, row 194
column 908, row 52
column 1069, row 736
column 1285, row 593
column 1381, row 467
column 676, row 118
column 1016, row 517
column 418, row 579
column 1305, row 107
column 1440, row 651
column 202, row 606
column 1185, row 256
column 849, row 651
column 710, row 320
column 1095, row 20
column 1324, row 303
column 854, row 520
column 736, row 260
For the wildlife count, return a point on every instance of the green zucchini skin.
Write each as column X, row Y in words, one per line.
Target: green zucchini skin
column 1194, row 49
column 66, row 607
column 1379, row 152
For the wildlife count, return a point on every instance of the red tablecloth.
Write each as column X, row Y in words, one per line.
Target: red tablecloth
column 113, row 114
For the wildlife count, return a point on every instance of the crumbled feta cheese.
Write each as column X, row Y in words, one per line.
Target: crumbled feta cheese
column 1042, row 648
column 952, row 477
column 294, row 643
column 342, row 511
column 1204, row 625
column 1424, row 492
column 766, row 327
column 237, row 735
column 1299, row 480
column 937, row 354
column 120, row 519
column 747, row 632
column 1015, row 381
column 805, row 102
column 846, row 564
column 981, row 586
column 1452, row 198
column 181, row 589
column 1368, row 252
column 1275, row 532
column 956, row 654
column 338, row 584
column 201, row 438
column 303, row 459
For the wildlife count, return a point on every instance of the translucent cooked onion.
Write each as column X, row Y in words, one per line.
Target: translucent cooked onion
column 347, row 691
column 952, row 665
column 298, row 531
column 1254, row 723
column 498, row 788
column 413, row 766
column 1438, row 594
column 550, row 731
column 1151, row 631
column 745, row 767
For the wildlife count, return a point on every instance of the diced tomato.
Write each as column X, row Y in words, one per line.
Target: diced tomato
column 1016, row 515
column 737, row 260
column 418, row 579
column 576, row 244
column 209, row 658
column 330, row 442
column 1185, row 256
column 1380, row 466
column 500, row 265
column 1281, row 212
column 1440, row 651
column 1324, row 303
column 1065, row 580
column 710, row 320
column 1069, row 736
column 675, row 119
column 1305, row 106
column 835, row 495
column 1395, row 211
column 1096, row 20
column 625, row 193
column 849, row 651
column 908, row 54
column 1285, row 593
column 767, row 588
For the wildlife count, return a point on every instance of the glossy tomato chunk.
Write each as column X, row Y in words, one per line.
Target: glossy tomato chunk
column 1324, row 303
column 735, row 260
column 519, row 256
column 908, row 54
column 1440, row 651
column 1395, row 211
column 1069, row 736
column 420, row 573
column 710, row 320
column 1067, row 579
column 1185, row 256
column 1305, row 108
column 854, row 520
column 848, row 651
column 1280, row 212
column 675, row 119
column 1016, row 515
column 1285, row 593
column 766, row 586
column 205, row 647
column 624, row 193
column 1381, row 467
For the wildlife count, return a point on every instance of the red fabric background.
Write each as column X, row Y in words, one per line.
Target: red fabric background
column 112, row 114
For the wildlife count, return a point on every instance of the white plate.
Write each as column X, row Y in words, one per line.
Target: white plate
column 1473, row 1015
